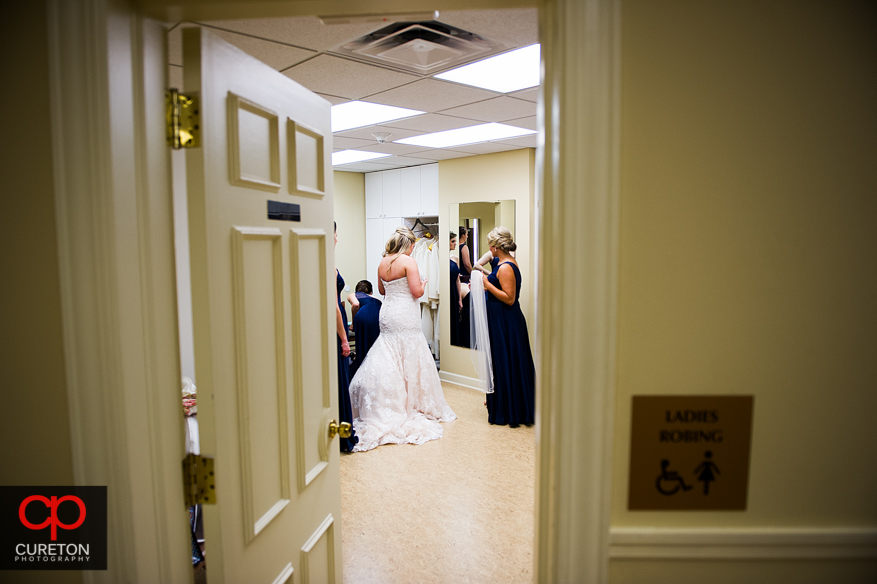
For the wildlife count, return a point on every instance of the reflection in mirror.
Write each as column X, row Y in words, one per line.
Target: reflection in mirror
column 469, row 251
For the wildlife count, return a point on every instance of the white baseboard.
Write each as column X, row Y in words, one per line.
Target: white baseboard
column 637, row 543
column 470, row 382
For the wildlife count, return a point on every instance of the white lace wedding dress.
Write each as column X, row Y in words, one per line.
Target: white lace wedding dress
column 396, row 394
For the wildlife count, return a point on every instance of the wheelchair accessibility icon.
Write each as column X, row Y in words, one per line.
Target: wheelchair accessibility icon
column 669, row 482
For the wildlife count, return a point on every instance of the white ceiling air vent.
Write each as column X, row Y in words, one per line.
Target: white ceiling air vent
column 420, row 47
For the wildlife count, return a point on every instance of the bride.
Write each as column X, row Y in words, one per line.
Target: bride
column 396, row 394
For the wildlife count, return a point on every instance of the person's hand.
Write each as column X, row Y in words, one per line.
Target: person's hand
column 345, row 349
column 461, row 305
column 424, row 281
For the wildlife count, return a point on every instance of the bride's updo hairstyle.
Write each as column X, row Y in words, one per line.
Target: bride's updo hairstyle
column 400, row 241
column 501, row 238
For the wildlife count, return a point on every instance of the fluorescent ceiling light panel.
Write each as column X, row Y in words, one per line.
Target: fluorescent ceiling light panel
column 356, row 114
column 469, row 135
column 351, row 156
column 512, row 71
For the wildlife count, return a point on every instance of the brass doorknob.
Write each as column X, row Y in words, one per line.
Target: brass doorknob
column 343, row 429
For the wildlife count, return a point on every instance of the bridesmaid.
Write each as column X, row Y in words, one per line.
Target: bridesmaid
column 345, row 412
column 513, row 401
column 459, row 303
column 366, row 321
column 465, row 256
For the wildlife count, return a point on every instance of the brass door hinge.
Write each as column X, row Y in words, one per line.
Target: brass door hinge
column 183, row 120
column 200, row 484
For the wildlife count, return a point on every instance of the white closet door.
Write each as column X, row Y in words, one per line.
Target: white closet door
column 389, row 227
column 410, row 205
column 374, row 246
column 429, row 190
column 392, row 193
column 374, row 195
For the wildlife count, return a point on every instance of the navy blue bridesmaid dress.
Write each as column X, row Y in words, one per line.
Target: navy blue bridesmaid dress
column 345, row 411
column 513, row 401
column 366, row 326
column 459, row 316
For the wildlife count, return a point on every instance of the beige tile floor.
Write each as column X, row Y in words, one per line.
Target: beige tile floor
column 454, row 510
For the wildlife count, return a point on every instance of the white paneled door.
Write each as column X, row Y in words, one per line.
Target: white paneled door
column 263, row 308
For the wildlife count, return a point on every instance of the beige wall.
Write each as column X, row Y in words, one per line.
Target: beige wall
column 487, row 213
column 747, row 248
column 489, row 177
column 34, row 428
column 350, row 216
column 34, row 423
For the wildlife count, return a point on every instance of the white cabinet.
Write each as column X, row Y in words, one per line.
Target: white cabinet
column 377, row 232
column 374, row 246
column 411, row 192
column 429, row 191
column 392, row 196
column 406, row 192
column 374, row 193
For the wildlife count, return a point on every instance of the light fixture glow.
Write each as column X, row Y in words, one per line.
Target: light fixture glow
column 469, row 135
column 512, row 71
column 351, row 156
column 356, row 114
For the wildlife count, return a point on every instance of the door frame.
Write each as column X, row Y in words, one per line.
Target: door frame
column 114, row 221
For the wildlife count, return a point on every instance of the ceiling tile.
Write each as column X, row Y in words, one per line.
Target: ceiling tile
column 366, row 133
column 390, row 148
column 487, row 148
column 175, row 46
column 276, row 55
column 530, row 141
column 531, row 94
column 495, row 110
column 175, row 77
column 345, row 143
column 529, row 122
column 431, row 95
column 429, row 123
column 362, row 167
column 518, row 27
column 438, row 154
column 401, row 161
column 344, row 78
column 333, row 99
column 308, row 31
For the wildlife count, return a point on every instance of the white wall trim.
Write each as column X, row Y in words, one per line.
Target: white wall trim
column 115, row 253
column 840, row 543
column 84, row 218
column 458, row 379
column 577, row 173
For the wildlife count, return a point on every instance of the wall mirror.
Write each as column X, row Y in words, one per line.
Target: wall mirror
column 478, row 219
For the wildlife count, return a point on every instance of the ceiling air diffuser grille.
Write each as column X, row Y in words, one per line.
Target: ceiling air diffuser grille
column 420, row 47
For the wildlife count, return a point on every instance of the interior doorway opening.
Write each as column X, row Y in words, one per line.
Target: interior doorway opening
column 516, row 105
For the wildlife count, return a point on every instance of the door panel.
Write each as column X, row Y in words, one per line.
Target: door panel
column 261, row 366
column 262, row 294
column 307, row 174
column 311, row 384
column 317, row 555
